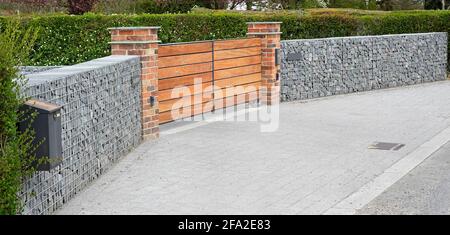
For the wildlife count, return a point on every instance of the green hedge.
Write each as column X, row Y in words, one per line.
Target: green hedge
column 15, row 147
column 67, row 39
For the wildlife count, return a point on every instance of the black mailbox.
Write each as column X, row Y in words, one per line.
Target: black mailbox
column 47, row 128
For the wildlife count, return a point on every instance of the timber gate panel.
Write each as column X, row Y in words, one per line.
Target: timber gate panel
column 224, row 64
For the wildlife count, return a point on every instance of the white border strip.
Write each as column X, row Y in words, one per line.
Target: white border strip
column 374, row 188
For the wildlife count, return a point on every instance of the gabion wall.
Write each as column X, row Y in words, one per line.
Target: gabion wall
column 330, row 66
column 25, row 70
column 100, row 123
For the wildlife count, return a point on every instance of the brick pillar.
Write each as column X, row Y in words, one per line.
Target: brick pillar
column 143, row 42
column 270, row 33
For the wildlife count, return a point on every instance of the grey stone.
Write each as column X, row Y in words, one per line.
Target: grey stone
column 314, row 68
column 100, row 123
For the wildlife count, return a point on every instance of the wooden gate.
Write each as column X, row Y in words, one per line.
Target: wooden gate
column 220, row 64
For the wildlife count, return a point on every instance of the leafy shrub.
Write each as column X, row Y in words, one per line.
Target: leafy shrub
column 15, row 148
column 436, row 4
column 167, row 6
column 309, row 4
column 67, row 40
column 356, row 4
column 31, row 6
column 119, row 6
column 344, row 11
column 78, row 7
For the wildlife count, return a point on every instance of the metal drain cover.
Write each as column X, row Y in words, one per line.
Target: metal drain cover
column 386, row 146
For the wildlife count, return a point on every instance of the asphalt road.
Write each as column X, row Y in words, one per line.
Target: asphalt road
column 424, row 190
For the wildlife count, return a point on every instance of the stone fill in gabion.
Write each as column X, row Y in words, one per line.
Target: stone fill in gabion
column 314, row 68
column 101, row 122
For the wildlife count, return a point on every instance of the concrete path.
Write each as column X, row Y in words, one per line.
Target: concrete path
column 425, row 190
column 316, row 161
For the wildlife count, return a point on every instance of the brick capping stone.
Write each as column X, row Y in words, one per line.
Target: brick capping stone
column 135, row 28
column 267, row 33
column 143, row 42
column 265, row 22
column 134, row 42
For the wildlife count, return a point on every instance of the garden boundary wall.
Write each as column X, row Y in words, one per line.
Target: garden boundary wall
column 313, row 68
column 100, row 119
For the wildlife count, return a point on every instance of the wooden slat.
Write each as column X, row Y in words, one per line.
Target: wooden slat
column 236, row 62
column 246, row 94
column 166, row 105
column 167, row 94
column 231, row 63
column 169, row 83
column 222, row 103
column 171, row 61
column 195, row 99
column 236, row 43
column 233, row 72
column 184, row 48
column 184, row 70
column 247, row 88
column 238, row 80
column 165, row 117
column 236, row 53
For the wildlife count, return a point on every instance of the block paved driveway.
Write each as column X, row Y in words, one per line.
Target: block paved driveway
column 317, row 158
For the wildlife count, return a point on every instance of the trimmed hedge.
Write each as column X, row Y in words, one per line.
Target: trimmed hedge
column 65, row 39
